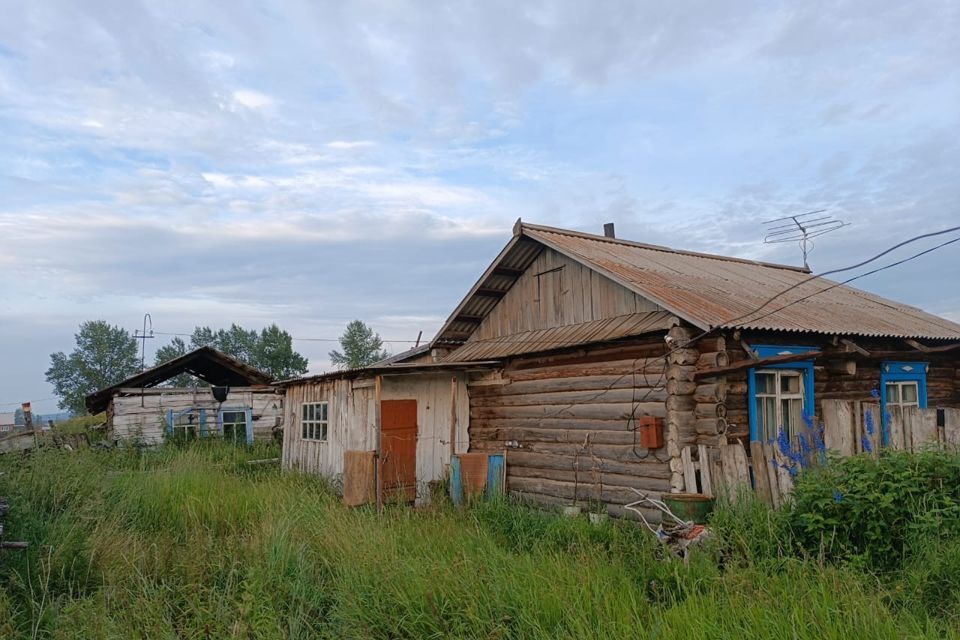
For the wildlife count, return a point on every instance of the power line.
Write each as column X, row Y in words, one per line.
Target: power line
column 850, row 268
column 862, row 275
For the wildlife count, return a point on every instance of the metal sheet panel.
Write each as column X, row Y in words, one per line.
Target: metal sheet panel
column 561, row 337
column 717, row 291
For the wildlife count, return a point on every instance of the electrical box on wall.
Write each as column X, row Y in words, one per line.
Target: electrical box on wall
column 651, row 432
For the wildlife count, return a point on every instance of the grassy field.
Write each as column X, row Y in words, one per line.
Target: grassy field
column 192, row 543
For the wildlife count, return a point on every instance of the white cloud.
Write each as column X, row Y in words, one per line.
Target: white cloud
column 253, row 100
column 350, row 145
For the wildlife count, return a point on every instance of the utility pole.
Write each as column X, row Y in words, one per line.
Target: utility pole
column 143, row 336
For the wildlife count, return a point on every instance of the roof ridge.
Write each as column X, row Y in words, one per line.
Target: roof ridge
column 518, row 229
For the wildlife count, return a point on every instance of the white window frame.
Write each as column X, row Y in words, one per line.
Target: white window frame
column 896, row 408
column 779, row 396
column 313, row 428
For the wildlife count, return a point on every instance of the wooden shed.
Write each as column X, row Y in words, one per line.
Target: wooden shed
column 240, row 404
column 604, row 359
column 405, row 417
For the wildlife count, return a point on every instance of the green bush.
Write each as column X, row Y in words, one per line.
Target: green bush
column 875, row 509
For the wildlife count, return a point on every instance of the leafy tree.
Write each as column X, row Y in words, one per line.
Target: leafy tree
column 361, row 346
column 104, row 355
column 270, row 350
column 168, row 352
column 274, row 354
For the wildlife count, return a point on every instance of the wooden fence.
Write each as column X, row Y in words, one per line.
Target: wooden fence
column 849, row 428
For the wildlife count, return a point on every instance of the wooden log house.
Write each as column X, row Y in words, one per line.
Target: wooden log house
column 597, row 360
column 240, row 405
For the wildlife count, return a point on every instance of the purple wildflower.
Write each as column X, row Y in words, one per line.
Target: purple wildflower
column 875, row 393
column 837, row 496
column 869, row 421
column 866, row 444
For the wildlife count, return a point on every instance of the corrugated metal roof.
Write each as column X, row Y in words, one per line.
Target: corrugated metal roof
column 567, row 336
column 390, row 369
column 716, row 291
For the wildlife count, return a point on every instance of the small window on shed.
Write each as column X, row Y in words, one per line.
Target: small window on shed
column 314, row 421
column 234, row 424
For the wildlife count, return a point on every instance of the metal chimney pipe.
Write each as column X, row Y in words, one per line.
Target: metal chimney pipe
column 608, row 230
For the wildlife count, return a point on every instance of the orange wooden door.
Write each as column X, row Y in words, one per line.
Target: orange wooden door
column 398, row 442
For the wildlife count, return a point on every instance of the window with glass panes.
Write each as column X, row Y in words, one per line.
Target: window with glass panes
column 185, row 425
column 905, row 393
column 314, row 421
column 233, row 424
column 778, row 398
column 903, row 385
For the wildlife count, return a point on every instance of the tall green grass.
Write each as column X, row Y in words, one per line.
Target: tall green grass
column 192, row 543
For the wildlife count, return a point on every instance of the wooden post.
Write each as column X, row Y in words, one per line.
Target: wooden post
column 27, row 416
column 453, row 416
column 379, row 429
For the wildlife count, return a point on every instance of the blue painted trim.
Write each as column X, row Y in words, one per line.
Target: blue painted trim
column 249, row 416
column 902, row 372
column 774, row 350
column 170, row 422
column 806, row 366
column 203, row 423
column 496, row 467
column 223, row 410
column 456, row 481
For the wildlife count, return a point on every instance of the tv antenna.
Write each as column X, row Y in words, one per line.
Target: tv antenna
column 801, row 229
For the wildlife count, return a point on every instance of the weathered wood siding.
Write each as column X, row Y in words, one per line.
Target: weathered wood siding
column 565, row 424
column 556, row 291
column 352, row 415
column 144, row 418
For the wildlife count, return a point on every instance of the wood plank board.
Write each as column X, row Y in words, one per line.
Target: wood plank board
column 359, row 477
column 761, row 479
column 703, row 463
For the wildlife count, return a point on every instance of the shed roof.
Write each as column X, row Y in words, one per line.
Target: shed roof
column 708, row 291
column 393, row 369
column 206, row 363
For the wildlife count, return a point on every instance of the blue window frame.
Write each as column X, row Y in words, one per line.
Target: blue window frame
column 902, row 384
column 185, row 424
column 774, row 385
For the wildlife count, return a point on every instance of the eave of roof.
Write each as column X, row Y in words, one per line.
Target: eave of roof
column 206, row 363
column 392, row 369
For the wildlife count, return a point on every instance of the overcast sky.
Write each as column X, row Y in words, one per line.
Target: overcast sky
column 308, row 163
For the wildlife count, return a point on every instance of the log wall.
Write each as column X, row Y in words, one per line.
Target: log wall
column 566, row 424
column 143, row 417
